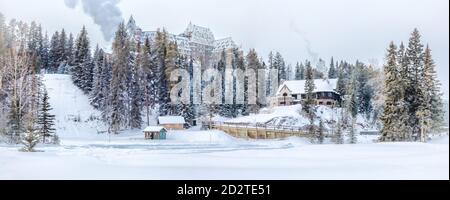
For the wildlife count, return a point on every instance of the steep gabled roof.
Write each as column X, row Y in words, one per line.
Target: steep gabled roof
column 298, row 87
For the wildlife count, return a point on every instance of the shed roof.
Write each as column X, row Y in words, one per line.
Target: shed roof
column 154, row 129
column 171, row 120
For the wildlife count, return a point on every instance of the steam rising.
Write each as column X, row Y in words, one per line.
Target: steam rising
column 314, row 55
column 105, row 13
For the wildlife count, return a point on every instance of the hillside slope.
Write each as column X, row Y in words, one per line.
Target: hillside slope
column 75, row 117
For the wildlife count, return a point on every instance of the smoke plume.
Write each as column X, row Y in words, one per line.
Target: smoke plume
column 314, row 55
column 105, row 13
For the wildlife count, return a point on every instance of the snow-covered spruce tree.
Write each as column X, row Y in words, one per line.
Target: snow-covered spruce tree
column 297, row 72
column 82, row 67
column 393, row 118
column 30, row 138
column 239, row 64
column 162, row 60
column 429, row 112
column 97, row 94
column 69, row 53
column 147, row 70
column 280, row 65
column 105, row 89
column 364, row 90
column 332, row 72
column 338, row 137
column 252, row 63
column 117, row 99
column 432, row 85
column 62, row 45
column 341, row 85
column 54, row 53
column 135, row 95
column 310, row 102
column 45, row 120
column 352, row 106
column 44, row 52
column 320, row 133
column 414, row 96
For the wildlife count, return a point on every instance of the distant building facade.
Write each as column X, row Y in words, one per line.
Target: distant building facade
column 195, row 42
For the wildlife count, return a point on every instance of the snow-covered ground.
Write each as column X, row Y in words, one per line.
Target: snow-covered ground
column 222, row 157
column 194, row 154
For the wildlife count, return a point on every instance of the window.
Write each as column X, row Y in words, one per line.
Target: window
column 320, row 103
column 330, row 94
column 329, row 103
column 295, row 96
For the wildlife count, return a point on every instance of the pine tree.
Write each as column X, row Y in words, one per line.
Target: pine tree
column 430, row 110
column 30, row 139
column 97, row 94
column 352, row 105
column 332, row 73
column 54, row 53
column 82, row 69
column 341, row 84
column 69, row 50
column 364, row 90
column 338, row 137
column 414, row 96
column 253, row 64
column 147, row 70
column 45, row 120
column 62, row 45
column 280, row 65
column 393, row 118
column 310, row 101
column 298, row 75
column 162, row 72
column 117, row 98
column 320, row 133
column 433, row 86
column 135, row 117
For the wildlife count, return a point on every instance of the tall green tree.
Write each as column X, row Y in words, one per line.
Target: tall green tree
column 45, row 120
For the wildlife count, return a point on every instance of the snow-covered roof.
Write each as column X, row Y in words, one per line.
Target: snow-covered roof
column 298, row 87
column 153, row 129
column 226, row 43
column 200, row 35
column 171, row 120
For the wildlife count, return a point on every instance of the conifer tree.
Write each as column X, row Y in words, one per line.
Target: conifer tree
column 332, row 72
column 310, row 101
column 97, row 95
column 393, row 119
column 414, row 96
column 117, row 98
column 45, row 120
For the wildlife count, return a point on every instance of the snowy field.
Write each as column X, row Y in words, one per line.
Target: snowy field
column 188, row 155
column 86, row 154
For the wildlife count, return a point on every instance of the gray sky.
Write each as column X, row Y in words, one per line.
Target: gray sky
column 345, row 29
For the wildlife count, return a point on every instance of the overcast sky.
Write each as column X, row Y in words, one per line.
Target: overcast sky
column 345, row 29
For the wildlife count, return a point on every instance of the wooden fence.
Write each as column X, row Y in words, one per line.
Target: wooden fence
column 259, row 131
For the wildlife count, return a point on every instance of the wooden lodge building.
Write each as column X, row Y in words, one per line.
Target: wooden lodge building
column 172, row 122
column 293, row 92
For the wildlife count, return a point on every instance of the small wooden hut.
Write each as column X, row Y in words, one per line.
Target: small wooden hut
column 155, row 133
